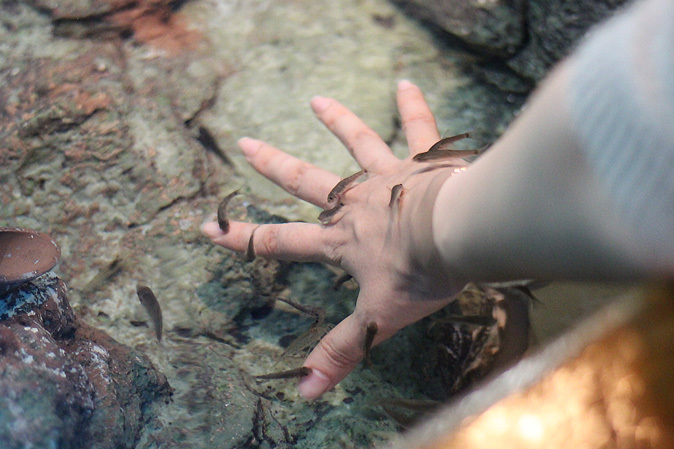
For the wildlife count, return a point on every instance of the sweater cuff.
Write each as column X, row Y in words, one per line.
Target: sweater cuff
column 622, row 96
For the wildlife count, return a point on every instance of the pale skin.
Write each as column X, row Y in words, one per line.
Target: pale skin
column 355, row 233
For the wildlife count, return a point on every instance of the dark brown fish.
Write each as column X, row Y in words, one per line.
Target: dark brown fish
column 370, row 333
column 250, row 251
column 325, row 216
column 442, row 144
column 223, row 222
column 151, row 305
column 395, row 194
column 443, row 154
column 343, row 185
column 302, row 371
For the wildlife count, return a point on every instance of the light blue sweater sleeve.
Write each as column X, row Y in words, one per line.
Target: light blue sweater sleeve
column 622, row 102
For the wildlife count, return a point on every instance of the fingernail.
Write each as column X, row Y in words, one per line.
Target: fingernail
column 404, row 84
column 314, row 385
column 249, row 146
column 320, row 104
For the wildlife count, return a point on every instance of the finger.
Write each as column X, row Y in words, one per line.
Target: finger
column 369, row 150
column 341, row 349
column 299, row 178
column 301, row 242
column 335, row 356
column 418, row 122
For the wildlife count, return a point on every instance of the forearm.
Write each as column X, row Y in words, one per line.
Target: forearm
column 531, row 207
column 580, row 186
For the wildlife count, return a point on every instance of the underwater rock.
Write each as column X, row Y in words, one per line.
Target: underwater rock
column 554, row 27
column 64, row 383
column 493, row 27
column 528, row 35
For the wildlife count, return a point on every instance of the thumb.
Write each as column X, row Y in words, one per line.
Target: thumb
column 335, row 356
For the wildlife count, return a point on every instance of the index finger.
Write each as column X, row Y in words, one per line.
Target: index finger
column 418, row 121
column 300, row 242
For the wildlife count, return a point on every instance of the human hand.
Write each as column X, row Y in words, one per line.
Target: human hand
column 383, row 240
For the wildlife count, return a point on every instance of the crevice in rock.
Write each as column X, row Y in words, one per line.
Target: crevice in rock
column 53, row 122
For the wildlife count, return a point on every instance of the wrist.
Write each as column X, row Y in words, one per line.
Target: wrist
column 426, row 262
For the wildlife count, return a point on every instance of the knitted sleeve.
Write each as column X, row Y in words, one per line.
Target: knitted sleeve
column 622, row 98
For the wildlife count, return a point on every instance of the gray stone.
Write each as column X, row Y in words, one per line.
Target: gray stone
column 554, row 28
column 65, row 384
column 493, row 26
column 529, row 36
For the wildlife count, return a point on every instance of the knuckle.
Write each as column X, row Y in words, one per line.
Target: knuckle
column 329, row 117
column 269, row 241
column 263, row 157
column 417, row 119
column 337, row 356
column 364, row 134
column 333, row 255
column 332, row 249
column 295, row 177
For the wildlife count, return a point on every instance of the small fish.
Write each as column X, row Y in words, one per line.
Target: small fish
column 305, row 341
column 316, row 312
column 403, row 420
column 439, row 165
column 370, row 333
column 420, row 407
column 343, row 185
column 395, row 194
column 443, row 154
column 250, row 251
column 442, row 144
column 151, row 305
column 223, row 222
column 104, row 275
column 289, row 374
column 325, row 216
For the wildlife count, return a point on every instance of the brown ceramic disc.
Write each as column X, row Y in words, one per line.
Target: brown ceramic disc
column 24, row 255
